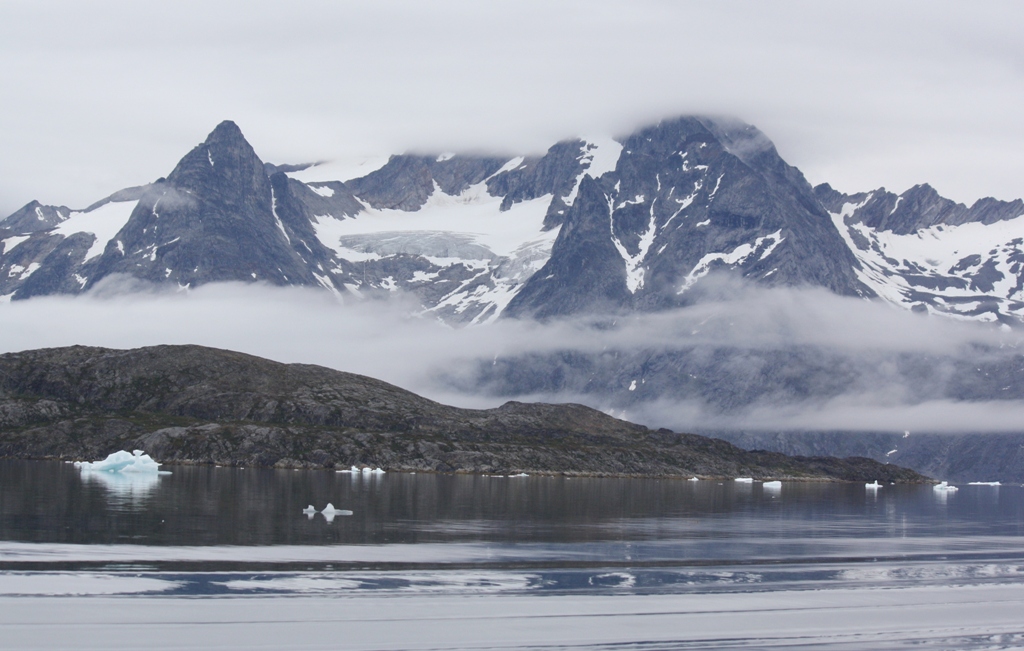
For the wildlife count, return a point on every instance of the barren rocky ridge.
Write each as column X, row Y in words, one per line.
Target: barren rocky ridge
column 190, row 404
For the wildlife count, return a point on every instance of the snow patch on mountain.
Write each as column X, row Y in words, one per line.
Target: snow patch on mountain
column 497, row 250
column 600, row 156
column 474, row 214
column 342, row 169
column 971, row 270
column 103, row 223
column 762, row 247
column 9, row 244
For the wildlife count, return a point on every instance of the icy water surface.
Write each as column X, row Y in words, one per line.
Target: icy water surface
column 225, row 558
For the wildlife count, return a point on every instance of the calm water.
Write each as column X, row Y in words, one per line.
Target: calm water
column 872, row 560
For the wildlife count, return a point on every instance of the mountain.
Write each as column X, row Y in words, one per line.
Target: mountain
column 591, row 225
column 964, row 457
column 596, row 229
column 687, row 196
column 188, row 404
column 927, row 253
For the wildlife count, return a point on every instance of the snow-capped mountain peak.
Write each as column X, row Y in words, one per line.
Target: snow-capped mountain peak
column 626, row 223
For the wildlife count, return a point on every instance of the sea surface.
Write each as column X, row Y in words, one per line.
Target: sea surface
column 225, row 558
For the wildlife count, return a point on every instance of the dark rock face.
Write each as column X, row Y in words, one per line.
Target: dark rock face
column 213, row 219
column 200, row 405
column 917, row 208
column 407, row 181
column 556, row 173
column 34, row 217
column 688, row 196
column 974, row 456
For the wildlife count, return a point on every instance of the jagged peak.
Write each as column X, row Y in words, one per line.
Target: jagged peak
column 227, row 136
column 226, row 130
column 224, row 145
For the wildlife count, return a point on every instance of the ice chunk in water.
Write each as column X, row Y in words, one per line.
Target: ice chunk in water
column 944, row 487
column 330, row 512
column 772, row 485
column 745, row 480
column 309, row 511
column 121, row 461
column 873, row 485
column 692, row 479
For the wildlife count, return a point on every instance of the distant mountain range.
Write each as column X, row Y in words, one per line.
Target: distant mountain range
column 596, row 226
column 592, row 225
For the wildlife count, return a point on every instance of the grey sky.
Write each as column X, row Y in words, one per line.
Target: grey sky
column 105, row 94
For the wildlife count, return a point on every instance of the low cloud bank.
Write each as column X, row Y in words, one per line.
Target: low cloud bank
column 743, row 358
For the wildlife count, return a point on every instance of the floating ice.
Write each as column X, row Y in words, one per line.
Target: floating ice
column 692, row 479
column 745, row 480
column 944, row 487
column 772, row 485
column 522, row 474
column 309, row 511
column 984, row 483
column 330, row 512
column 873, row 485
column 121, row 461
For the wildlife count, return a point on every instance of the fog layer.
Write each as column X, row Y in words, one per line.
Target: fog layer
column 768, row 358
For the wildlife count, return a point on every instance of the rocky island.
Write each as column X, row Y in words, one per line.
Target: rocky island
column 197, row 405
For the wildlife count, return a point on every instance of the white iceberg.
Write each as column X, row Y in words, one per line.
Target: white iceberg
column 745, row 480
column 772, row 485
column 330, row 512
column 692, row 479
column 984, row 483
column 873, row 486
column 121, row 461
column 944, row 487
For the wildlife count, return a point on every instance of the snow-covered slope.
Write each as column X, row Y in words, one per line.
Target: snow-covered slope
column 633, row 223
column 473, row 255
column 953, row 261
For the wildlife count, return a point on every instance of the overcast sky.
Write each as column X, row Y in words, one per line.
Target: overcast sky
column 102, row 95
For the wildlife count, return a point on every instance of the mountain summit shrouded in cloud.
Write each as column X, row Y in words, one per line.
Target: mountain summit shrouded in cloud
column 628, row 224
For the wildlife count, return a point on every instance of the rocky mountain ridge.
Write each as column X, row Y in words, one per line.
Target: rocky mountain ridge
column 189, row 404
column 592, row 225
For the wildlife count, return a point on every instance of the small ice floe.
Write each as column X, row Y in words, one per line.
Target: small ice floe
column 692, row 479
column 873, row 486
column 122, row 461
column 309, row 511
column 330, row 512
column 522, row 474
column 984, row 483
column 944, row 487
column 367, row 470
column 744, row 480
column 772, row 485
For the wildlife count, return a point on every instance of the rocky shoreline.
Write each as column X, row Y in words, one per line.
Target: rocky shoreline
column 195, row 405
